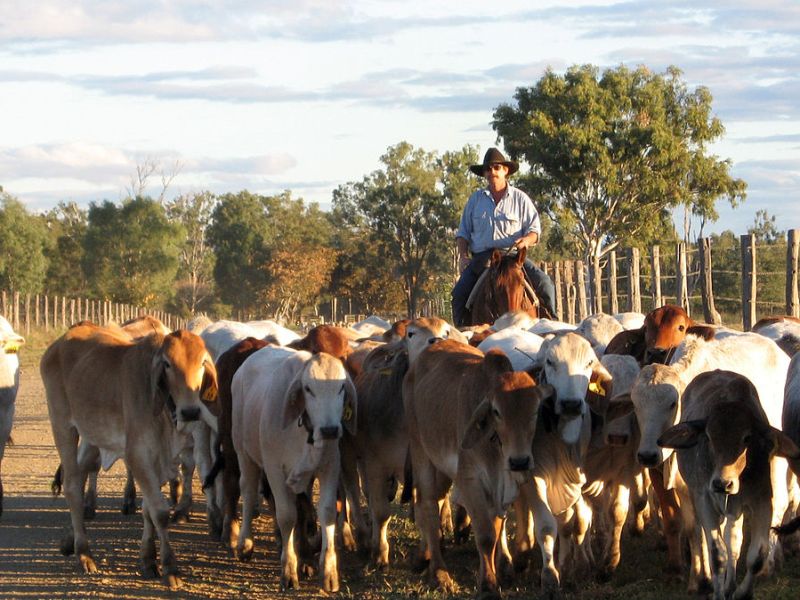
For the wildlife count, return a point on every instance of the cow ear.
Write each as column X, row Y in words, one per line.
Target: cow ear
column 496, row 362
column 618, row 407
column 294, row 402
column 784, row 445
column 159, row 387
column 521, row 256
column 600, row 387
column 683, row 435
column 350, row 410
column 703, row 331
column 209, row 390
column 478, row 426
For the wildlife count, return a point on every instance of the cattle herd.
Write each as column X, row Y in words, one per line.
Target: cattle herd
column 575, row 431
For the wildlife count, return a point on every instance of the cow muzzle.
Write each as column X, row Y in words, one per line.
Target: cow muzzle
column 571, row 408
column 329, row 433
column 649, row 459
column 720, row 485
column 519, row 463
column 191, row 413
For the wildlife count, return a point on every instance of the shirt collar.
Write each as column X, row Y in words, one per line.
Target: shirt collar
column 503, row 197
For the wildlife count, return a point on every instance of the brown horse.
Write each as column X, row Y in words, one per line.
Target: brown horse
column 501, row 289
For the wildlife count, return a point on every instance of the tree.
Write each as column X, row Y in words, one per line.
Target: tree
column 131, row 252
column 611, row 156
column 406, row 214
column 765, row 229
column 195, row 284
column 67, row 224
column 23, row 240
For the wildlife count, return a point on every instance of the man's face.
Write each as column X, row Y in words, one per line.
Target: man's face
column 496, row 176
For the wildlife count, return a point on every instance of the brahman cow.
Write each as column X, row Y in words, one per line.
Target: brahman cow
column 130, row 399
column 289, row 410
column 10, row 343
column 728, row 455
column 599, row 329
column 784, row 331
column 380, row 447
column 567, row 363
column 471, row 422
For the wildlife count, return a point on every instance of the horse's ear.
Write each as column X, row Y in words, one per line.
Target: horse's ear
column 521, row 256
column 496, row 257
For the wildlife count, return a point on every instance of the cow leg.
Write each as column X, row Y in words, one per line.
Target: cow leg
column 732, row 533
column 147, row 552
column 760, row 519
column 641, row 508
column 717, row 550
column 89, row 464
column 285, row 517
column 487, row 531
column 352, row 488
column 670, row 512
column 503, row 562
column 201, row 434
column 230, row 484
column 620, row 497
column 183, row 507
column 344, row 519
column 129, row 495
column 699, row 574
column 6, row 419
column 523, row 540
column 248, row 484
column 378, row 493
column 66, row 440
column 583, row 547
column 328, row 489
column 546, row 532
column 155, row 510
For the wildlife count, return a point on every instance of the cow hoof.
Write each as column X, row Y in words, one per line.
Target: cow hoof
column 150, row 571
column 330, row 583
column 128, row 508
column 181, row 516
column 289, row 583
column 173, row 582
column 245, row 552
column 67, row 545
column 87, row 564
column 489, row 595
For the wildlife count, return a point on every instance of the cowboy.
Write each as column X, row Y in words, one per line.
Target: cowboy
column 499, row 216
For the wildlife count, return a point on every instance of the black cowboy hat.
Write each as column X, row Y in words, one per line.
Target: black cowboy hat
column 494, row 156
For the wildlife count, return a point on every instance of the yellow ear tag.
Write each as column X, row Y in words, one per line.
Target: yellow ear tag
column 386, row 371
column 347, row 413
column 596, row 388
column 11, row 347
column 210, row 395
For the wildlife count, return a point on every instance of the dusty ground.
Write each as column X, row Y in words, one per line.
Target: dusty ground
column 34, row 522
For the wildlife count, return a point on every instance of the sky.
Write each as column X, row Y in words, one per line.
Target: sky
column 305, row 95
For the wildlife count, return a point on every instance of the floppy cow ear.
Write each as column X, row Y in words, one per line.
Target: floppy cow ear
column 478, row 426
column 209, row 389
column 784, row 445
column 600, row 388
column 618, row 407
column 350, row 411
column 159, row 387
column 294, row 403
column 683, row 435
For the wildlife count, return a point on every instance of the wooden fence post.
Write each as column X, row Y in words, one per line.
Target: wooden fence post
column 557, row 283
column 792, row 249
column 655, row 282
column 634, row 290
column 64, row 312
column 681, row 279
column 27, row 314
column 36, row 310
column 748, row 281
column 580, row 276
column 72, row 311
column 710, row 313
column 613, row 301
column 16, row 311
column 569, row 289
column 596, row 279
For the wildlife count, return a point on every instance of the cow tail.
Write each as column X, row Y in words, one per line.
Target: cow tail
column 58, row 480
column 789, row 528
column 216, row 468
column 408, row 480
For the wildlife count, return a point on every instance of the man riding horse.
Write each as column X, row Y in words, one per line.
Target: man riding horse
column 499, row 216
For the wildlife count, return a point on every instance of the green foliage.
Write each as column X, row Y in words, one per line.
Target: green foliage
column 131, row 252
column 67, row 224
column 23, row 241
column 611, row 155
column 407, row 212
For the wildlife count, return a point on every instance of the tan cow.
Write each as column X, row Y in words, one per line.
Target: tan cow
column 10, row 342
column 471, row 422
column 130, row 399
column 729, row 457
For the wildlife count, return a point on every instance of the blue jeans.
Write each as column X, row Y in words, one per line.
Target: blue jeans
column 540, row 281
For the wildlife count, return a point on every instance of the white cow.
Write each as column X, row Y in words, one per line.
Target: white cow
column 599, row 329
column 9, row 384
column 520, row 346
column 289, row 408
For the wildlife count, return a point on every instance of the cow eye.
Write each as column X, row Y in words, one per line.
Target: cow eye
column 746, row 440
column 307, row 389
column 496, row 413
column 681, row 327
column 410, row 334
column 590, row 363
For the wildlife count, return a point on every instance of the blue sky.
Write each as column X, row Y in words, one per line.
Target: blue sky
column 307, row 94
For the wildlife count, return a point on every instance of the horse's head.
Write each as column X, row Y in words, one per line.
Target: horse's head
column 504, row 288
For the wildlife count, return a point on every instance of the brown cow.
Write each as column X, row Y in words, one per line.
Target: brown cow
column 471, row 422
column 149, row 390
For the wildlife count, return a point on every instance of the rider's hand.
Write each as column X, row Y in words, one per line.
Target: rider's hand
column 463, row 263
column 526, row 241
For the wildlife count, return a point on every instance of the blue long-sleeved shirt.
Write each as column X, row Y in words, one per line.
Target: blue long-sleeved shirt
column 486, row 225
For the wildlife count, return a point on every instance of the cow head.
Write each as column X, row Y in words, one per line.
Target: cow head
column 425, row 331
column 10, row 341
column 507, row 414
column 569, row 364
column 323, row 395
column 664, row 328
column 183, row 378
column 736, row 436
